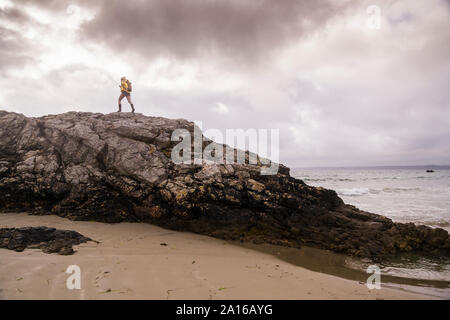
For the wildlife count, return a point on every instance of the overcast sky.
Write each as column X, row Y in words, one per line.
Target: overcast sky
column 341, row 92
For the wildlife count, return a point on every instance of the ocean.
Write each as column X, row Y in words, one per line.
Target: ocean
column 403, row 194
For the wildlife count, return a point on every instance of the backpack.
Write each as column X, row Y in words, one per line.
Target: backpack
column 129, row 86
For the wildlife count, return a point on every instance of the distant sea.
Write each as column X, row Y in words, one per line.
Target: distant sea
column 404, row 194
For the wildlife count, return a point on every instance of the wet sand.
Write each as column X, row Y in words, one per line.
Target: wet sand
column 142, row 261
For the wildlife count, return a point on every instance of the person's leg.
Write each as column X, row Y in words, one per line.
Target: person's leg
column 131, row 103
column 120, row 99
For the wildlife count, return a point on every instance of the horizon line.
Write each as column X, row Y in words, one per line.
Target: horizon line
column 375, row 166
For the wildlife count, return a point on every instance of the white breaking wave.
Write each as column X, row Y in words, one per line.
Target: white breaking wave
column 362, row 191
column 353, row 191
column 392, row 190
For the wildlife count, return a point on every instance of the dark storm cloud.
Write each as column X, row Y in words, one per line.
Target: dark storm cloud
column 239, row 30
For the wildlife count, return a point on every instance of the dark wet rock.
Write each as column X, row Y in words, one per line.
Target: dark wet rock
column 49, row 240
column 117, row 167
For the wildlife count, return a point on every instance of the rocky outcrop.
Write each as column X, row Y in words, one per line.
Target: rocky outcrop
column 49, row 240
column 118, row 167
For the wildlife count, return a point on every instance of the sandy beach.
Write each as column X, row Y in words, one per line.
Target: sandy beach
column 142, row 261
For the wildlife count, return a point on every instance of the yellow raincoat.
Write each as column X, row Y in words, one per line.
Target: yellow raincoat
column 124, row 86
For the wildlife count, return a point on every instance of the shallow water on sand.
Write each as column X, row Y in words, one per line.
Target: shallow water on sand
column 403, row 273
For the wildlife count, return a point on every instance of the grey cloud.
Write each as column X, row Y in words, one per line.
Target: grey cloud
column 239, row 30
column 13, row 14
column 58, row 5
column 13, row 50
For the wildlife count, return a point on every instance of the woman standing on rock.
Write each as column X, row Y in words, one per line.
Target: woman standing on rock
column 125, row 89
